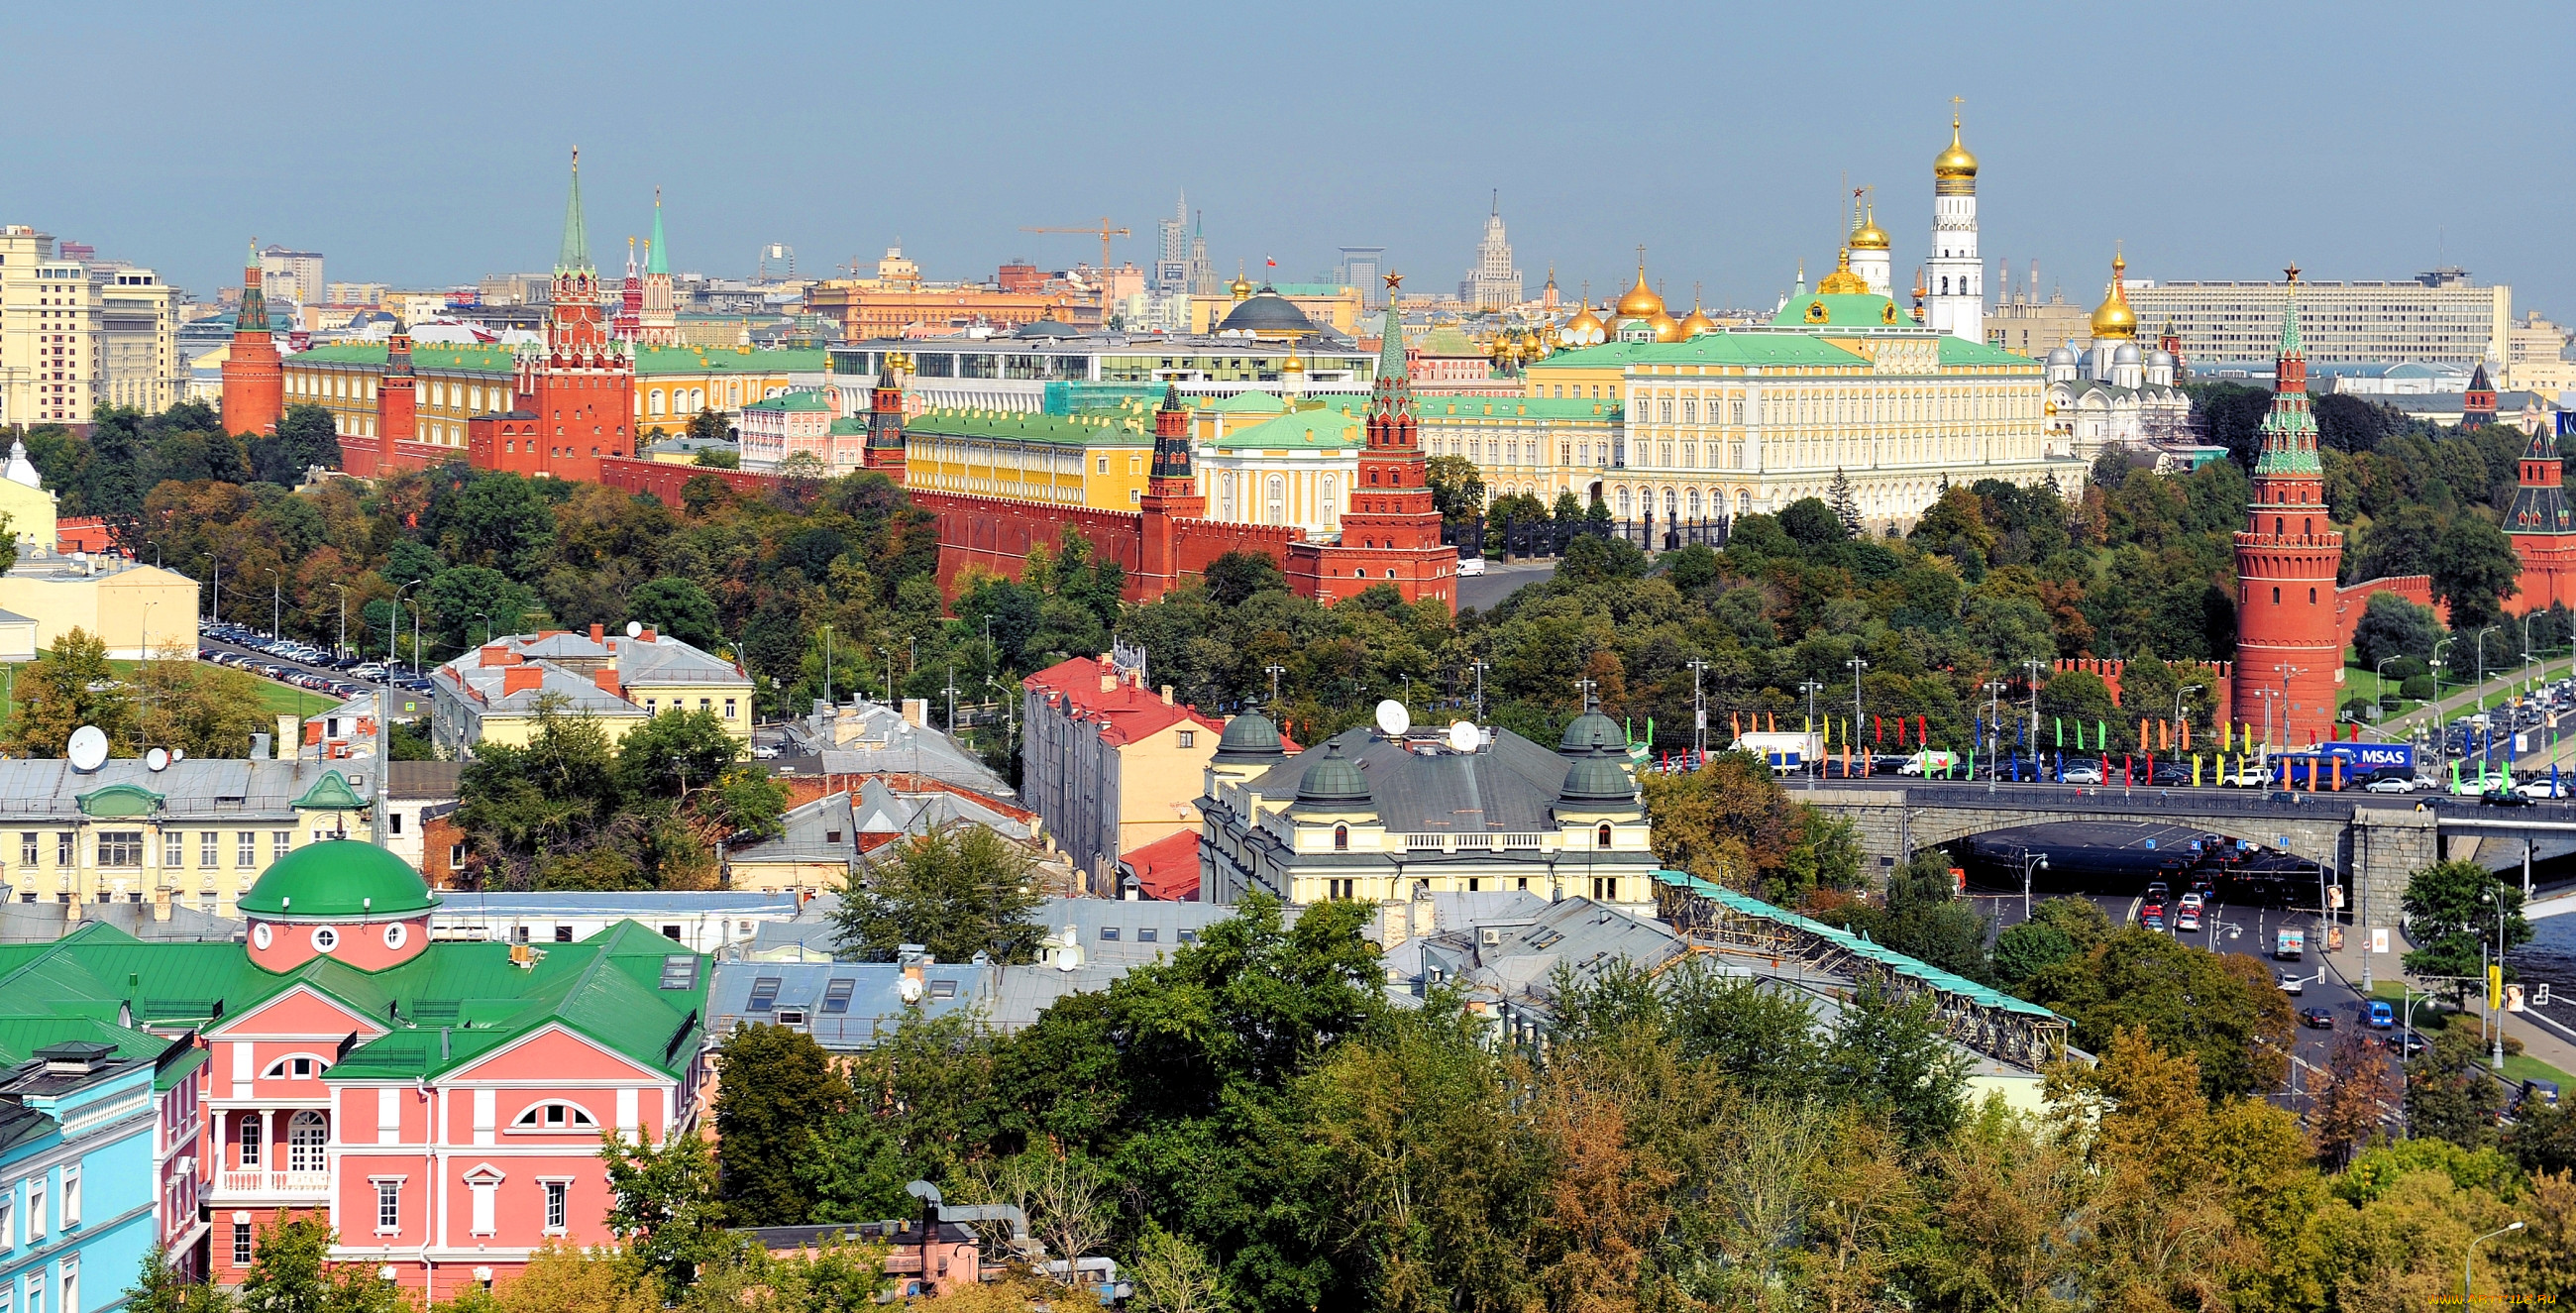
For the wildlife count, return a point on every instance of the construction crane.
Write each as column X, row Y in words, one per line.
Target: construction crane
column 1104, row 232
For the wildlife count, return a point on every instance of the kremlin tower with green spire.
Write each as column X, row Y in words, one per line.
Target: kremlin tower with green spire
column 254, row 377
column 2289, row 632
column 576, row 390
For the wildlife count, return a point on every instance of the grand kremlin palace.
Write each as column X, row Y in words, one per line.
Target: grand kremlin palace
column 458, row 382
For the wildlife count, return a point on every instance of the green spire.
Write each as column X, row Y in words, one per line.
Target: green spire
column 2290, row 318
column 655, row 262
column 1390, row 354
column 576, row 238
column 254, row 301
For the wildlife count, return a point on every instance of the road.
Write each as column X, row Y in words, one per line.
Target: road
column 1486, row 591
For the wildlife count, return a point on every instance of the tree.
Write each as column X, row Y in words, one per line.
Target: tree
column 2347, row 1108
column 956, row 892
column 663, row 1206
column 2474, row 567
column 2451, row 914
column 678, row 607
column 290, row 1272
column 2223, row 1011
column 306, row 436
column 1812, row 524
column 1889, row 1057
column 776, row 1087
column 1173, row 1275
column 1846, row 506
column 710, row 426
column 2448, row 1094
column 1457, row 488
column 2391, row 626
column 205, row 710
column 563, row 1278
column 1924, row 917
column 160, row 1289
column 67, row 688
column 716, row 459
column 468, row 603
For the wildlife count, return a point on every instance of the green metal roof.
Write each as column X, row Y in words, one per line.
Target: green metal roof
column 1328, row 427
column 1246, row 403
column 339, row 878
column 439, row 356
column 729, row 360
column 1026, row 426
column 21, row 1036
column 576, row 238
column 330, row 793
column 657, row 260
column 1961, row 351
column 1504, row 410
column 796, row 401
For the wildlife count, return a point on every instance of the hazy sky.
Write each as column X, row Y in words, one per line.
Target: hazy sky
column 424, row 146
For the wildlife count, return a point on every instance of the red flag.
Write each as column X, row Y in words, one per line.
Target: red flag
column 1922, row 730
column 2124, row 770
column 1878, row 728
column 1736, row 719
column 1774, row 719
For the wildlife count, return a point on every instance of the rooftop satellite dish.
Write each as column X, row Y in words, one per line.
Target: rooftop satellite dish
column 634, row 628
column 178, row 754
column 87, row 749
column 1463, row 736
column 157, row 759
column 1392, row 719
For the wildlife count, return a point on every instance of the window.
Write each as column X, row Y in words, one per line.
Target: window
column 63, row 849
column 246, row 849
column 174, row 848
column 119, row 848
column 1606, row 888
column 280, row 843
column 2312, row 597
column 241, row 1244
column 71, row 1197
column 1109, row 934
column 305, row 1138
column 1344, row 888
column 393, row 821
column 8, row 1230
column 26, row 847
column 670, row 932
column 1146, row 934
column 1604, row 835
column 557, row 1212
column 1188, row 738
column 764, row 994
column 836, row 995
column 2276, row 597
column 563, row 934
column 37, row 1226
column 250, row 1144
column 484, row 1185
column 1189, row 936
column 729, row 715
column 1341, row 838
column 388, row 1207
column 555, row 1115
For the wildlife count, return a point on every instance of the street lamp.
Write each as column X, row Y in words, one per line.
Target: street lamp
column 2029, row 860
column 1858, row 668
column 2495, row 1056
column 1811, row 688
column 827, row 666
column 276, row 603
column 2469, row 1261
column 2179, row 694
column 341, row 649
column 1994, row 703
column 393, row 633
column 2031, row 668
column 1699, row 709
column 486, row 618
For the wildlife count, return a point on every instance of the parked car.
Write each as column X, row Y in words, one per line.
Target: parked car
column 2504, row 797
column 2083, row 775
column 1470, row 567
column 2390, row 784
column 2317, row 1018
column 2381, row 1015
column 2291, row 984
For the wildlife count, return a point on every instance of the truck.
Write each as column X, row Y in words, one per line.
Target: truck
column 1930, row 761
column 2290, row 945
column 1788, row 751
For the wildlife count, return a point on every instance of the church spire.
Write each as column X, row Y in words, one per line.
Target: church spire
column 254, row 301
column 2289, row 430
column 657, row 260
column 576, row 235
column 1390, row 351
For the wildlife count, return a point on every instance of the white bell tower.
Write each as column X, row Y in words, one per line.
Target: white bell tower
column 1954, row 278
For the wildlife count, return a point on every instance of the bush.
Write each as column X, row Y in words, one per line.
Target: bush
column 2419, row 688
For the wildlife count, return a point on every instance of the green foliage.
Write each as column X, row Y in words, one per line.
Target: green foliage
column 2221, row 1010
column 1457, row 488
column 956, row 892
column 159, row 1288
column 290, row 1272
column 2448, row 1094
column 776, row 1086
column 306, row 436
column 678, row 607
column 664, row 1207
column 1924, row 918
column 2391, row 626
column 2474, row 568
column 64, row 689
column 567, row 812
column 2452, row 912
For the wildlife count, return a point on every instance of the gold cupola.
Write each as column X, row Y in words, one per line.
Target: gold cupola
column 2113, row 318
column 1697, row 321
column 1868, row 236
column 1954, row 171
column 1641, row 301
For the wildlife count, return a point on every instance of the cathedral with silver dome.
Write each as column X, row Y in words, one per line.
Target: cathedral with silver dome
column 2117, row 392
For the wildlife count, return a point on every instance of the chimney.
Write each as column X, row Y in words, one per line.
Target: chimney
column 1167, row 695
column 598, row 632
column 496, row 655
column 161, row 903
column 647, row 636
column 916, row 712
column 259, row 747
column 1108, row 676
column 521, row 679
column 287, row 735
column 607, row 681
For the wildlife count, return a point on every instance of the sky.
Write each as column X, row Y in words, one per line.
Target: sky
column 424, row 147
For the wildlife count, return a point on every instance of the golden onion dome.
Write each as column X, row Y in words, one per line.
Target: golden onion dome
column 1292, row 365
column 1868, row 236
column 1955, row 164
column 2113, row 318
column 1697, row 322
column 1241, row 287
column 1584, row 329
column 1641, row 301
column 1667, row 328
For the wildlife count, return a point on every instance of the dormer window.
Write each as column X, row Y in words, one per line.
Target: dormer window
column 555, row 1115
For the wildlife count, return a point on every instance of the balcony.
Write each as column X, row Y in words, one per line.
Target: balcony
column 267, row 1184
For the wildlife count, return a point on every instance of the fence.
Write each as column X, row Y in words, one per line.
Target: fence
column 1540, row 538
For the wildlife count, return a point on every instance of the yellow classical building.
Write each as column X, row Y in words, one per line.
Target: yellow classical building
column 497, row 693
column 1093, row 461
column 197, row 833
column 674, row 383
column 134, row 609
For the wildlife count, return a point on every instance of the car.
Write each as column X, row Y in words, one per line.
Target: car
column 2245, row 779
column 2187, row 919
column 2153, row 920
column 2408, row 1045
column 1470, row 567
column 2390, row 784
column 2193, row 902
column 2083, row 775
column 2504, row 797
column 2380, row 1015
column 2547, row 789
column 371, row 670
column 2158, row 891
column 2291, row 984
column 2317, row 1018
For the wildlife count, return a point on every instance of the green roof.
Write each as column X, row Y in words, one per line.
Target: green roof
column 796, row 401
column 658, row 259
column 1840, row 310
column 469, row 998
column 1329, row 427
column 339, row 878
column 849, row 424
column 729, row 360
column 1029, row 426
column 1246, row 403
column 1448, row 340
column 21, row 1036
column 432, row 355
column 1961, row 351
column 1729, row 348
column 330, row 793
column 1507, row 409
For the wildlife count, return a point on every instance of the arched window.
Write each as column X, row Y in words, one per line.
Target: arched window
column 1669, row 511
column 1332, row 494
column 1602, row 837
column 1694, row 503
column 2308, row 526
column 2312, row 597
column 1278, row 500
column 1341, row 838
column 554, row 1115
column 2276, row 525
column 305, row 1141
column 1743, row 501
column 296, row 1066
column 1624, row 505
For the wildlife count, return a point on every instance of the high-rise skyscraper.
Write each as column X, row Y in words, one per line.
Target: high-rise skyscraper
column 1172, row 249
column 1361, row 266
column 1492, row 282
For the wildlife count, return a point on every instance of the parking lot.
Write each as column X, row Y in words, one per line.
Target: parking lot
column 297, row 664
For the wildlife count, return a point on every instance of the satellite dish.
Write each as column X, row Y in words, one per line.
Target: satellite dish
column 157, row 759
column 1392, row 719
column 178, row 754
column 909, row 990
column 87, row 749
column 634, row 629
column 1463, row 736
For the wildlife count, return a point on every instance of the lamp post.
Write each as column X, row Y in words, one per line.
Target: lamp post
column 1859, row 667
column 893, row 698
column 2478, row 702
column 827, row 665
column 2469, row 1261
column 393, row 633
column 2179, row 694
column 2495, row 1055
column 486, row 618
column 1480, row 694
column 1811, row 688
column 276, row 603
column 341, row 649
column 2029, row 860
column 2032, row 668
column 1994, row 703
column 1699, row 708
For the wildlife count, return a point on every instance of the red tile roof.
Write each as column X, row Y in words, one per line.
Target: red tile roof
column 1126, row 711
column 1167, row 870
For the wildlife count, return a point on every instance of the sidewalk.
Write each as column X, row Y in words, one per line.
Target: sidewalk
column 2553, row 1046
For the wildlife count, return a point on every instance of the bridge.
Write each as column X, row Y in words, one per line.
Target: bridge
column 2373, row 842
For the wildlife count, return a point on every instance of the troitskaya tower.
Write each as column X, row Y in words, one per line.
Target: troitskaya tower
column 2289, row 641
column 1954, row 278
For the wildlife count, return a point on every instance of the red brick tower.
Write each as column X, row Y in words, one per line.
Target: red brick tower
column 2289, row 646
column 630, row 303
column 580, row 385
column 395, row 415
column 1390, row 532
column 2544, row 532
column 2478, row 408
column 1171, row 493
column 885, row 422
column 254, row 380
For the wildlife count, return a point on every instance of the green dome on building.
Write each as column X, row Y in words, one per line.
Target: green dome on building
column 339, row 879
column 1250, row 735
column 1593, row 730
column 1596, row 778
column 1332, row 779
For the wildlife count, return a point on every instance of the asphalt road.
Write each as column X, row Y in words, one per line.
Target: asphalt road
column 2111, row 862
column 1499, row 581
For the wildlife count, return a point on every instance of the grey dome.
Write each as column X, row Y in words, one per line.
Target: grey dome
column 2064, row 355
column 1267, row 312
column 1332, row 779
column 1250, row 735
column 2125, row 354
column 2160, row 357
column 1597, row 778
column 1048, row 328
column 1593, row 730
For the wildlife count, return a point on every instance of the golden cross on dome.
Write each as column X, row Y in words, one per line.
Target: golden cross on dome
column 1955, row 103
column 1394, row 281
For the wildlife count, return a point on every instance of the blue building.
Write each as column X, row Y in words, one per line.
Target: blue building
column 77, row 1172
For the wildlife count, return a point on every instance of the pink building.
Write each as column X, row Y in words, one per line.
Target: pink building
column 440, row 1104
column 778, row 427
